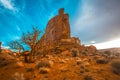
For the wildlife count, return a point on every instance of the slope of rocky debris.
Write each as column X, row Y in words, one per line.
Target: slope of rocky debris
column 60, row 67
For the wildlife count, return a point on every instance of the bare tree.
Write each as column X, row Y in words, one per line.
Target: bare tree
column 16, row 45
column 31, row 38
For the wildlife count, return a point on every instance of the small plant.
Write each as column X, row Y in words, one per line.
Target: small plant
column 102, row 61
column 107, row 52
column 2, row 64
column 29, row 70
column 44, row 70
column 84, row 52
column 87, row 77
column 74, row 53
column 81, row 71
column 116, row 67
column 43, row 64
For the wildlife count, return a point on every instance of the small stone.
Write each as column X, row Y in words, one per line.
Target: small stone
column 62, row 61
column 78, row 62
column 20, row 64
column 86, row 64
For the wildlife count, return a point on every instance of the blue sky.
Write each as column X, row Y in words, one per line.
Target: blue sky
column 93, row 21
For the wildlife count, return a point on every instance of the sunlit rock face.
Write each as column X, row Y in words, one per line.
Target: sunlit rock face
column 57, row 33
column 57, row 28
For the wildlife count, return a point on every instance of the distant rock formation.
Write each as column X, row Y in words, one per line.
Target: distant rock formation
column 57, row 35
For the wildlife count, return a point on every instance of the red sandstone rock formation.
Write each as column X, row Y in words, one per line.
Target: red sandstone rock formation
column 57, row 33
column 57, row 28
column 57, row 36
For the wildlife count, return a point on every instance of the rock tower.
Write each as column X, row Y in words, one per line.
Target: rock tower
column 57, row 34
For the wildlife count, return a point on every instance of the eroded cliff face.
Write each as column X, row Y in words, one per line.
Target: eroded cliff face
column 57, row 36
column 57, row 28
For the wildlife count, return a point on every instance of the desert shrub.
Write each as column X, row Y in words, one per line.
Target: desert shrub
column 64, row 78
column 44, row 70
column 87, row 77
column 2, row 59
column 2, row 64
column 29, row 70
column 86, row 70
column 43, row 64
column 102, row 61
column 116, row 67
column 74, row 53
column 82, row 71
column 82, row 67
column 107, row 52
column 84, row 52
column 27, row 78
column 58, row 50
column 67, row 48
column 79, row 62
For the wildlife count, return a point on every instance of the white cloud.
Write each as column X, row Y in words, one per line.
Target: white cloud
column 108, row 44
column 5, row 47
column 8, row 4
column 92, row 42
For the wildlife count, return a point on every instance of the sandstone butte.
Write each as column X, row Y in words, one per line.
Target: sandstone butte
column 57, row 37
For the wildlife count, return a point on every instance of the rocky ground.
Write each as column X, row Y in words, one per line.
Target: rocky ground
column 60, row 67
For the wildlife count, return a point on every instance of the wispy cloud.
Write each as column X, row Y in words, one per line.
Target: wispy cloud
column 8, row 4
column 16, row 37
column 108, row 44
column 18, row 28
